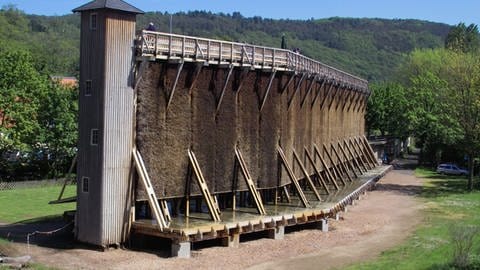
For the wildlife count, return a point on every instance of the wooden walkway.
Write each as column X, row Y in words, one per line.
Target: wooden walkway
column 179, row 48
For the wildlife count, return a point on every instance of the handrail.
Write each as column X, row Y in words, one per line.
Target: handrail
column 167, row 46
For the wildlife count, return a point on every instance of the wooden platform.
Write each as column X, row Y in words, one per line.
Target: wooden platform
column 199, row 226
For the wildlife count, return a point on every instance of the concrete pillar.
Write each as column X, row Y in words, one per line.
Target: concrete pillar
column 233, row 240
column 337, row 216
column 181, row 249
column 323, row 225
column 277, row 233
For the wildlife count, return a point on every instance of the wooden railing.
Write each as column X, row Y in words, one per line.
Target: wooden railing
column 171, row 46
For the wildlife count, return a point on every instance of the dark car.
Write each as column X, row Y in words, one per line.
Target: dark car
column 452, row 169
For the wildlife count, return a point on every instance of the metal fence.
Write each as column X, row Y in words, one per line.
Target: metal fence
column 33, row 184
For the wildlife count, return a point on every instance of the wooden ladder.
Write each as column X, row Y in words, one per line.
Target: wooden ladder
column 248, row 179
column 209, row 199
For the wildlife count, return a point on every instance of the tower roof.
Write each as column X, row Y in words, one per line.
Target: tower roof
column 108, row 4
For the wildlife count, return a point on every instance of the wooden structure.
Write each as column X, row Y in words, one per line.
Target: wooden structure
column 192, row 139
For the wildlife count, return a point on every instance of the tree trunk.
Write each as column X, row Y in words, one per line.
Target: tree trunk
column 470, row 170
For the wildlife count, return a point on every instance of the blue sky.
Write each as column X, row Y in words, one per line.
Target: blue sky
column 446, row 11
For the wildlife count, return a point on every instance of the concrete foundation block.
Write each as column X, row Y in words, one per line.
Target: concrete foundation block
column 181, row 249
column 232, row 240
column 337, row 216
column 277, row 233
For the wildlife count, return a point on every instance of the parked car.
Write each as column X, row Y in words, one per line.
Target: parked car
column 450, row 168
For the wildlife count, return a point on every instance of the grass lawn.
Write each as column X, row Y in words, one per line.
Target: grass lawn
column 446, row 205
column 32, row 203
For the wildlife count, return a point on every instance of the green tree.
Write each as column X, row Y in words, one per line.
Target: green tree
column 58, row 120
column 462, row 38
column 387, row 110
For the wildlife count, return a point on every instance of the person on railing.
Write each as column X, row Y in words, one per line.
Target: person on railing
column 151, row 27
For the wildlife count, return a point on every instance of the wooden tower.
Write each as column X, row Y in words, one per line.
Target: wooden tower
column 106, row 113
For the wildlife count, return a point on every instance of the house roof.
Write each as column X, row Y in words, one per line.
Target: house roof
column 109, row 4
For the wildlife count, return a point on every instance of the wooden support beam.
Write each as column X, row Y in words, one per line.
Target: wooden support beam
column 366, row 151
column 360, row 157
column 354, row 158
column 209, row 199
column 341, row 98
column 314, row 80
column 306, row 175
column 172, row 92
column 295, row 183
column 196, row 75
column 68, row 179
column 248, row 179
column 335, row 93
column 242, row 79
column 353, row 99
column 152, row 197
column 334, row 166
column 326, row 96
column 325, row 167
column 347, row 99
column 370, row 151
column 357, row 156
column 264, row 99
column 297, row 88
column 222, row 94
column 287, row 196
column 289, row 82
column 317, row 94
column 347, row 160
column 342, row 164
column 317, row 172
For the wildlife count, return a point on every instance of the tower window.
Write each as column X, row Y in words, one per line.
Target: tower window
column 93, row 21
column 88, row 88
column 85, row 184
column 94, row 136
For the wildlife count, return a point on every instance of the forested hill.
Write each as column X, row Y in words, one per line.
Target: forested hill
column 370, row 48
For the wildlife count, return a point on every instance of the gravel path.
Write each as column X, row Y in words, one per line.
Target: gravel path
column 380, row 220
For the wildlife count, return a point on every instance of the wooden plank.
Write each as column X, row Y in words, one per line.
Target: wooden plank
column 152, row 197
column 172, row 92
column 248, row 179
column 213, row 208
column 353, row 161
column 317, row 172
column 299, row 190
column 264, row 99
column 306, row 175
column 324, row 164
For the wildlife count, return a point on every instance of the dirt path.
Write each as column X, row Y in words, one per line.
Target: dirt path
column 381, row 220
